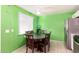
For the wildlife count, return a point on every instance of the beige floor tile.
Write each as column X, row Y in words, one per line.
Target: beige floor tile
column 55, row 47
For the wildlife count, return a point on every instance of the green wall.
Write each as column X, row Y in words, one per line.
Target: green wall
column 54, row 22
column 0, row 28
column 9, row 20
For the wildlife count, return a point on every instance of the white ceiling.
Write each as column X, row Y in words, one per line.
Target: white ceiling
column 46, row 9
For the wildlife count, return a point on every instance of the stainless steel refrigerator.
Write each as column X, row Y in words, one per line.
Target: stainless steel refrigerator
column 71, row 28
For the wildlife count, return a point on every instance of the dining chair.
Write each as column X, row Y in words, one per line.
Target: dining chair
column 30, row 43
column 29, row 32
column 46, row 41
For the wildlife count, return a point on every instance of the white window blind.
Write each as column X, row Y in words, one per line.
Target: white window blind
column 25, row 23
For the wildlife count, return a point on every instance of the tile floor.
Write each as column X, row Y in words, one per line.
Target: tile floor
column 55, row 47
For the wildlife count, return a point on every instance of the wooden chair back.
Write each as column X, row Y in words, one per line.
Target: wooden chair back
column 30, row 41
column 47, row 36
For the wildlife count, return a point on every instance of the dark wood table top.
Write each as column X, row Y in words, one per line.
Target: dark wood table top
column 37, row 36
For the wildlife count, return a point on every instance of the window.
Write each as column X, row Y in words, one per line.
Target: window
column 25, row 23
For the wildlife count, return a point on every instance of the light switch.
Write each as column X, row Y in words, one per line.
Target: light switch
column 7, row 31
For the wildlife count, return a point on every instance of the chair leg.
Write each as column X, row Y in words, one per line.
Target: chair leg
column 48, row 46
column 26, row 46
column 33, row 50
column 44, row 49
column 26, row 49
